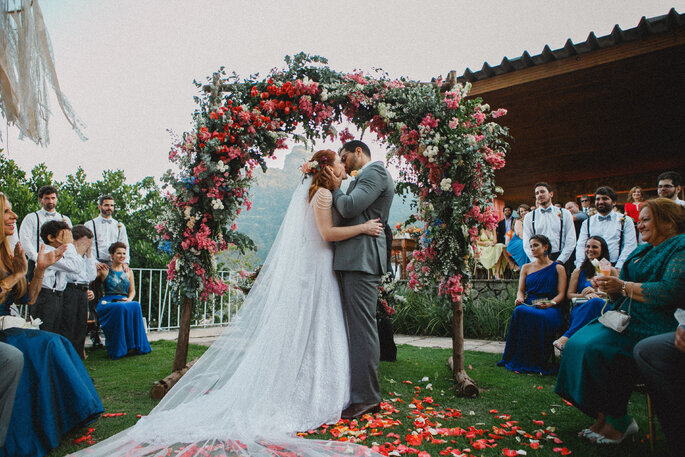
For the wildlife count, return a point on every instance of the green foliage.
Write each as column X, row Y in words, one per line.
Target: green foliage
column 138, row 205
column 426, row 313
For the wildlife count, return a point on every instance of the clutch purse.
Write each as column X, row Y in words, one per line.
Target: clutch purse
column 616, row 320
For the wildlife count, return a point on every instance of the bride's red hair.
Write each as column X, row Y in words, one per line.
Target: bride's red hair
column 325, row 159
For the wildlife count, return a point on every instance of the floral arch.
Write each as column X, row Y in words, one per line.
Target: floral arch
column 445, row 145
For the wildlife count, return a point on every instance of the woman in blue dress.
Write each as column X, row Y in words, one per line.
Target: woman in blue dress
column 580, row 287
column 120, row 317
column 55, row 393
column 515, row 245
column 538, row 316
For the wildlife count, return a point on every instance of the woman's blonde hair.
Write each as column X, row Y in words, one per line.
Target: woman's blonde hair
column 630, row 194
column 6, row 255
column 325, row 158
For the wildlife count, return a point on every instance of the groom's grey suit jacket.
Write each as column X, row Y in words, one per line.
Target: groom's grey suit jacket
column 369, row 196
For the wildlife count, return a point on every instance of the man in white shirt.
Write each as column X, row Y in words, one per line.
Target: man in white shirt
column 74, row 319
column 555, row 223
column 48, row 306
column 668, row 186
column 29, row 231
column 616, row 229
column 107, row 231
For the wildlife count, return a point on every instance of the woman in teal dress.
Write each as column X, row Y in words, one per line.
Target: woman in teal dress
column 580, row 286
column 120, row 317
column 538, row 316
column 55, row 393
column 598, row 371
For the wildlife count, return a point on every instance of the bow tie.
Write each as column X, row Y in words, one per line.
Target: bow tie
column 546, row 210
column 604, row 218
column 106, row 221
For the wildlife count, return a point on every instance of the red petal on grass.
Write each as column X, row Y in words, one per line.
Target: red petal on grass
column 534, row 445
column 536, row 422
column 567, row 402
column 539, row 387
column 424, row 454
column 509, row 452
column 493, row 411
column 557, row 441
column 407, row 382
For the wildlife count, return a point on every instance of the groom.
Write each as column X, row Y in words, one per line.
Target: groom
column 360, row 262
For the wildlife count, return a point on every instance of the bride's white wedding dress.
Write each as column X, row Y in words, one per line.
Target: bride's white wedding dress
column 279, row 368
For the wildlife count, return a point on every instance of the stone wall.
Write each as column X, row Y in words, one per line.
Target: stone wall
column 500, row 289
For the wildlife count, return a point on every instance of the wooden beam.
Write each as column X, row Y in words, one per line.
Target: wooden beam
column 579, row 62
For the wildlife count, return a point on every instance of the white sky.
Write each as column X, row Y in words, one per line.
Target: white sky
column 127, row 66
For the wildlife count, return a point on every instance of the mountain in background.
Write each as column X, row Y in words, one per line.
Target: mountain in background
column 270, row 194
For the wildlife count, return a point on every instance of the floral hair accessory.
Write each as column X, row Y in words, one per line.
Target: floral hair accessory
column 308, row 168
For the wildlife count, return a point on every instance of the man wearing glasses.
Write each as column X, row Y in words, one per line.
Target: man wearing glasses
column 669, row 186
column 585, row 205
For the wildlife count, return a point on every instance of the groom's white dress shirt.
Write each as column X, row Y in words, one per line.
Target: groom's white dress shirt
column 548, row 222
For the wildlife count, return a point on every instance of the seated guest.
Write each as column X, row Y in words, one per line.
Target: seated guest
column 74, row 319
column 538, row 315
column 120, row 317
column 580, row 287
column 634, row 203
column 598, row 372
column 55, row 393
column 661, row 360
column 48, row 306
column 490, row 253
column 515, row 246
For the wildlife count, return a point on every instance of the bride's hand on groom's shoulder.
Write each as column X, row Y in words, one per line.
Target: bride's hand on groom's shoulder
column 373, row 227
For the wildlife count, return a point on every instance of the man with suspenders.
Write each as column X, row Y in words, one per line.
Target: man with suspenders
column 106, row 231
column 611, row 226
column 555, row 223
column 29, row 231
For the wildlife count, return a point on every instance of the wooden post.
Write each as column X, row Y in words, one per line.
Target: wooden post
column 183, row 335
column 465, row 385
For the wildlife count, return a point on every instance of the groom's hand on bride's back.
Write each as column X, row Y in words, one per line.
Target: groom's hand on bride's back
column 335, row 181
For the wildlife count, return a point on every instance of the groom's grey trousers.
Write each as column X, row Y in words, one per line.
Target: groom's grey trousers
column 359, row 298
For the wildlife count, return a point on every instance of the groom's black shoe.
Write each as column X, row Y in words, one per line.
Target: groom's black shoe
column 359, row 409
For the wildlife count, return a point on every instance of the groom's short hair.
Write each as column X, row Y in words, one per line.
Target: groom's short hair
column 352, row 145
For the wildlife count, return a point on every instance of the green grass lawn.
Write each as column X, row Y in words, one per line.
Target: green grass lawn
column 498, row 422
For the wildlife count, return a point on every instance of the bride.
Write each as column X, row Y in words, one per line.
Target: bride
column 281, row 366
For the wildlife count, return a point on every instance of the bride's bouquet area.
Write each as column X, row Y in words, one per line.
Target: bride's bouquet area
column 446, row 146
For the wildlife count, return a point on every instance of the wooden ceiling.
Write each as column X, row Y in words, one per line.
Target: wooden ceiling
column 613, row 116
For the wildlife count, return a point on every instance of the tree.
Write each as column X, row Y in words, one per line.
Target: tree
column 139, row 206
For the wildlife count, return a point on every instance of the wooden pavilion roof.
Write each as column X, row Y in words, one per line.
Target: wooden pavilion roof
column 607, row 111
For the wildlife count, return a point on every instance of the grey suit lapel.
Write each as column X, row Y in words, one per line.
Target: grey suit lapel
column 351, row 186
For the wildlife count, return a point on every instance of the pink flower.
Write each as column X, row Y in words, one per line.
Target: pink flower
column 457, row 188
column 345, row 135
column 453, row 123
column 452, row 99
column 479, row 117
column 429, row 121
column 499, row 113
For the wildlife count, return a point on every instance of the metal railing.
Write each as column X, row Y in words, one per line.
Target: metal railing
column 162, row 308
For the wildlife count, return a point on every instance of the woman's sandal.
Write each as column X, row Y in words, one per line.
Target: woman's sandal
column 560, row 347
column 631, row 431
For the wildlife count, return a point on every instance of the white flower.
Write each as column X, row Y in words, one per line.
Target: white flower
column 221, row 166
column 324, row 95
column 217, row 204
column 484, row 107
column 446, row 184
column 430, row 152
column 470, row 139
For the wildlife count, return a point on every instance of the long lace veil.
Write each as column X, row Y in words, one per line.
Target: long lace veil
column 230, row 403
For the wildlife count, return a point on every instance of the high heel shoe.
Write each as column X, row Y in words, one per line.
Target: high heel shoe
column 589, row 434
column 631, row 431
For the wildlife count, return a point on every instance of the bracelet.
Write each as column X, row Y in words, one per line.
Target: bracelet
column 623, row 288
